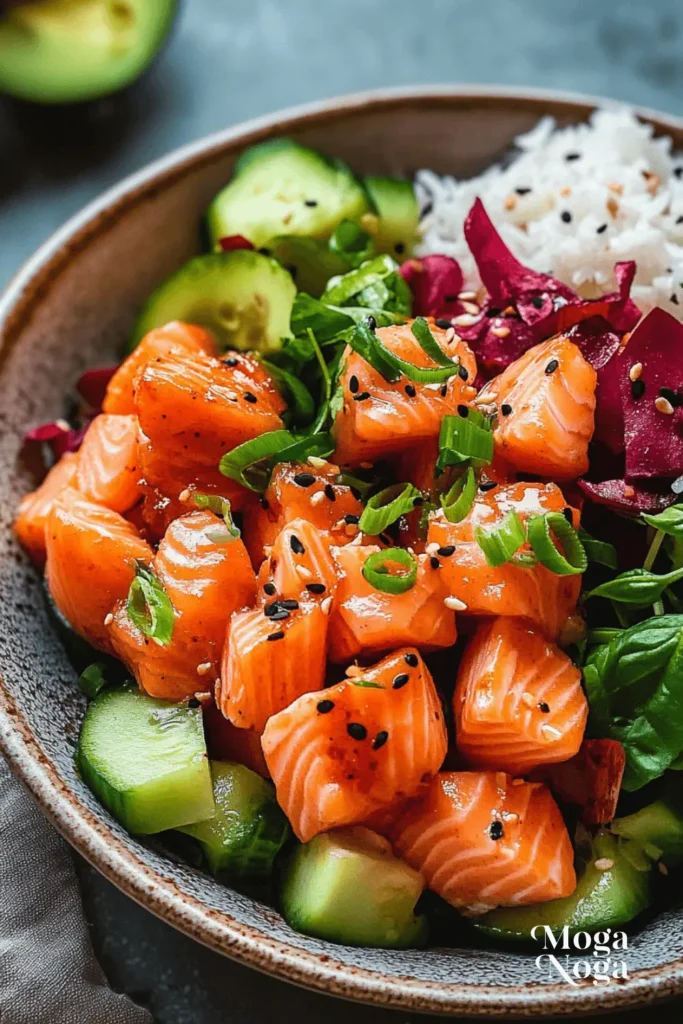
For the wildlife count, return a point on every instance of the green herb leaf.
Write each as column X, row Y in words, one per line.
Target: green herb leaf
column 464, row 439
column 93, row 679
column 637, row 587
column 300, row 404
column 599, row 551
column 313, row 314
column 377, row 570
column 375, row 284
column 349, row 241
column 669, row 521
column 501, row 542
column 149, row 607
column 385, row 508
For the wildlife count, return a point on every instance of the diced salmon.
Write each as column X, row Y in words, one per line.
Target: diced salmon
column 225, row 742
column 91, row 555
column 518, row 700
column 300, row 563
column 273, row 654
column 485, row 840
column 378, row 419
column 546, row 410
column 591, row 780
column 108, row 469
column 173, row 339
column 301, row 491
column 534, row 593
column 35, row 507
column 206, row 577
column 340, row 755
column 366, row 621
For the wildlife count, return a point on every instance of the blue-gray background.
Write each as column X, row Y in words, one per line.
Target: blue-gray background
column 229, row 60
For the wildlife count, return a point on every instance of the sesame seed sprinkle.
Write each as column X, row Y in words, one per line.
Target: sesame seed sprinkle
column 635, row 371
column 465, row 320
column 454, row 604
column 500, row 332
column 316, row 498
column 552, row 366
column 550, row 733
column 303, row 572
column 276, row 636
column 664, row 406
column 108, row 619
column 204, row 668
column 185, row 495
column 326, row 606
column 527, row 699
column 604, row 863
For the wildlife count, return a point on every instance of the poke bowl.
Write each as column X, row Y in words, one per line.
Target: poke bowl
column 344, row 452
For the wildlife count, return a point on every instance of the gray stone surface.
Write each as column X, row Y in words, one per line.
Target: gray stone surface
column 229, row 60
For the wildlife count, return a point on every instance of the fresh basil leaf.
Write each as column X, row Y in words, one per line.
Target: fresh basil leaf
column 599, row 551
column 300, row 404
column 149, row 606
column 637, row 587
column 315, row 315
column 669, row 521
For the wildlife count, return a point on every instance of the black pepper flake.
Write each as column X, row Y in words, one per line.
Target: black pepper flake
column 230, row 361
column 193, row 702
column 601, row 230
column 264, row 503
column 463, row 372
column 353, row 384
column 434, row 562
column 542, row 706
column 276, row 636
column 496, row 830
column 380, row 739
column 304, row 479
column 487, row 485
column 356, row 731
column 417, row 501
column 410, row 658
column 269, row 589
column 325, row 706
column 672, row 396
column 444, row 390
column 316, row 588
column 401, row 679
column 637, row 388
column 296, row 545
column 505, row 409
column 568, row 515
column 566, row 217
column 311, row 202
column 399, row 248
column 552, row 366
column 362, row 397
column 523, row 191
column 351, row 519
column 572, row 156
column 371, row 322
column 410, row 390
column 537, row 302
column 443, row 323
column 445, row 552
column 678, row 172
column 330, row 493
column 249, row 397
column 463, row 411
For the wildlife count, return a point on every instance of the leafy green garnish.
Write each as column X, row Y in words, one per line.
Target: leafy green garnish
column 669, row 521
column 637, row 587
column 93, row 679
column 375, row 284
column 149, row 606
column 352, row 243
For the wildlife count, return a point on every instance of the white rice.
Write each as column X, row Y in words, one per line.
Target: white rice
column 623, row 178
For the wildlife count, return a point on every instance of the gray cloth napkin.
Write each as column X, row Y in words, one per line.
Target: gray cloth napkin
column 48, row 971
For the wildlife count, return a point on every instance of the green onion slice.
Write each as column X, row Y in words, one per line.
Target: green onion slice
column 366, row 343
column 221, row 507
column 377, row 570
column 366, row 684
column 574, row 559
column 464, row 438
column 93, row 679
column 385, row 508
column 252, row 462
column 300, row 402
column 500, row 543
column 458, row 501
column 149, row 606
column 599, row 551
column 428, row 342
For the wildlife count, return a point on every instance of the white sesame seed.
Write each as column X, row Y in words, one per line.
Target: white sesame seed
column 217, row 681
column 510, row 816
column 303, row 572
column 315, row 460
column 677, row 485
column 326, row 606
column 500, row 332
column 467, row 296
column 432, row 548
column 316, row 498
column 185, row 495
column 231, row 396
column 528, row 699
column 550, row 733
column 449, row 335
column 366, row 465
column 663, row 405
column 357, row 541
column 636, row 371
column 604, row 863
column 471, row 307
column 62, row 424
column 267, row 551
column 455, row 604
column 353, row 671
column 204, row 668
column 465, row 320
column 485, row 398
column 108, row 619
column 518, row 782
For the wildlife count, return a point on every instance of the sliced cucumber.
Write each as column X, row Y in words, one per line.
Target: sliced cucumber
column 396, row 206
column 309, row 260
column 146, row 760
column 243, row 297
column 347, row 886
column 657, row 828
column 280, row 187
column 248, row 829
column 63, row 51
column 602, row 899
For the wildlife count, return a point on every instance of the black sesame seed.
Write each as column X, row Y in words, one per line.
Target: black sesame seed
column 304, row 479
column 264, row 251
column 410, row 390
column 426, row 210
column 316, row 588
column 572, row 156
column 674, row 298
column 496, row 830
column 292, row 269
column 446, row 552
column 290, row 604
column 380, row 739
column 330, row 493
column 311, row 202
column 463, row 372
column 542, row 706
column 601, row 230
column 492, row 311
column 444, row 390
column 249, row 397
column 371, row 322
column 463, row 411
column 487, row 485
column 442, row 323
column 296, row 545
column 276, row 636
column 362, row 397
column 353, row 384
column 679, row 219
column 411, row 659
column 351, row 519
column 566, row 216
column 417, row 501
column 230, row 361
column 356, row 493
column 264, row 503
column 568, row 515
column 269, row 589
column 552, row 366
column 271, row 609
column 325, row 706
column 401, row 679
column 537, row 302
column 356, row 731
column 505, row 409
column 193, row 702
column 450, row 298
column 671, row 396
column 522, row 191
column 277, row 616
column 678, row 172
column 434, row 562
column 399, row 248
column 637, row 389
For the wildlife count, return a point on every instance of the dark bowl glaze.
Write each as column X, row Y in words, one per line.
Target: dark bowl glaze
column 70, row 307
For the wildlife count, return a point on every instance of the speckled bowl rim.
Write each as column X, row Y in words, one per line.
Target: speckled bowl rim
column 90, row 835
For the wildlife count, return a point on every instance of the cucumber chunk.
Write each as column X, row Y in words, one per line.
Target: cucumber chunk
column 347, row 886
column 310, row 262
column 280, row 187
column 656, row 828
column 243, row 297
column 396, row 205
column 602, row 899
column 248, row 829
column 146, row 760
column 64, row 51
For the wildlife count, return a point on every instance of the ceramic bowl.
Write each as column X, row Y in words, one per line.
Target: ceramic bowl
column 70, row 307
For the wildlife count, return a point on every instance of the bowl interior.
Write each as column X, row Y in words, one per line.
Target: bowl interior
column 71, row 308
